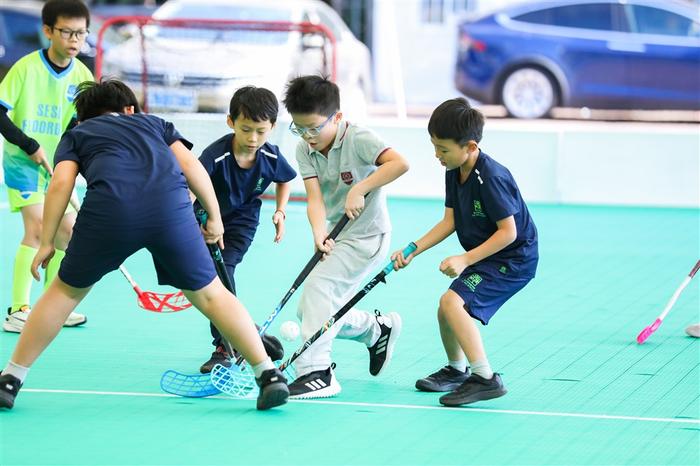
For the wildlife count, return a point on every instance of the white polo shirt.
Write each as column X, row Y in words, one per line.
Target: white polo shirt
column 351, row 159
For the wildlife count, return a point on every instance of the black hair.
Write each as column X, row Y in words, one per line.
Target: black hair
column 109, row 95
column 312, row 94
column 255, row 103
column 67, row 8
column 455, row 119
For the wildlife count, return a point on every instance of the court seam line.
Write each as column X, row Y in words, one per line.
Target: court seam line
column 395, row 406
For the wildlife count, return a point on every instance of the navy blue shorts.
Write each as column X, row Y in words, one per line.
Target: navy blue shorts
column 237, row 239
column 180, row 255
column 485, row 287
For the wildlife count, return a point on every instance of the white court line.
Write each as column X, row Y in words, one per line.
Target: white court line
column 393, row 406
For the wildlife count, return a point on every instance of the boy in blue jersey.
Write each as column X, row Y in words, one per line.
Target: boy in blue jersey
column 138, row 169
column 484, row 206
column 36, row 106
column 242, row 165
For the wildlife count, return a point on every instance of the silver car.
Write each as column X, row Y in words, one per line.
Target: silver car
column 197, row 69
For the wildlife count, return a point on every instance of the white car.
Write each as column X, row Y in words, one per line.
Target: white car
column 194, row 69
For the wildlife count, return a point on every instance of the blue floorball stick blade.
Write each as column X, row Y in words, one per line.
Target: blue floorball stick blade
column 187, row 385
column 236, row 381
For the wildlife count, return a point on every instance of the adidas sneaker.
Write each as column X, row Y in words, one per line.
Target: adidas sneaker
column 316, row 384
column 380, row 353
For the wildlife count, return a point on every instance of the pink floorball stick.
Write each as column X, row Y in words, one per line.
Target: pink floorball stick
column 644, row 334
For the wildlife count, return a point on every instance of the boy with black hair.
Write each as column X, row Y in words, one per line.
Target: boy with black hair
column 341, row 163
column 242, row 165
column 484, row 206
column 36, row 107
column 138, row 169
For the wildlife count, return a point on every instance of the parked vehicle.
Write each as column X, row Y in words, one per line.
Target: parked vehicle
column 622, row 54
column 196, row 69
column 20, row 34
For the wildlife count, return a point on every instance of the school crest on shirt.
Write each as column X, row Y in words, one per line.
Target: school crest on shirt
column 70, row 92
column 478, row 211
column 346, row 177
column 259, row 185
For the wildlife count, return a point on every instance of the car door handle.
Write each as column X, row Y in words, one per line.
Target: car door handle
column 626, row 47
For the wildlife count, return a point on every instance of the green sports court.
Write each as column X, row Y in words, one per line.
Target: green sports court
column 581, row 391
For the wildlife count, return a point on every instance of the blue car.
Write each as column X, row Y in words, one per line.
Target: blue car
column 625, row 54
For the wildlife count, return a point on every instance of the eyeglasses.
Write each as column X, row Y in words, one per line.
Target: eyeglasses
column 311, row 132
column 68, row 34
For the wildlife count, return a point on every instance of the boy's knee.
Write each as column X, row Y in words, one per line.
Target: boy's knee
column 450, row 302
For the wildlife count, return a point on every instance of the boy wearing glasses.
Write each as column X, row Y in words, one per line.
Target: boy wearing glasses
column 242, row 165
column 341, row 164
column 36, row 107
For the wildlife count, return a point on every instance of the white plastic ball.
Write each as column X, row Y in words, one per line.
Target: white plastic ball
column 290, row 330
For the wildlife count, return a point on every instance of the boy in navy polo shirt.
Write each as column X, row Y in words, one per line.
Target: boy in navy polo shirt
column 241, row 166
column 483, row 205
column 138, row 169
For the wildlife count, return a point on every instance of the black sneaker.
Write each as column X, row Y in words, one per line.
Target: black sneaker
column 273, row 389
column 316, row 384
column 445, row 380
column 380, row 353
column 475, row 388
column 273, row 347
column 219, row 356
column 9, row 387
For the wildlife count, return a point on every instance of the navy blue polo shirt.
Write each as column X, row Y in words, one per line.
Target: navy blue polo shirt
column 238, row 189
column 133, row 178
column 488, row 195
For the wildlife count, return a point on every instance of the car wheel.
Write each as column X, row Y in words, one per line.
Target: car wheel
column 528, row 93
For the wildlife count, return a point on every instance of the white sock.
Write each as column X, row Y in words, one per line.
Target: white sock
column 16, row 370
column 460, row 365
column 258, row 369
column 482, row 368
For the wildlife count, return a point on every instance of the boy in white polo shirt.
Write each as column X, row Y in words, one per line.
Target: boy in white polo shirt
column 340, row 164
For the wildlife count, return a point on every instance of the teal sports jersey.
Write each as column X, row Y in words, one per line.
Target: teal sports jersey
column 40, row 103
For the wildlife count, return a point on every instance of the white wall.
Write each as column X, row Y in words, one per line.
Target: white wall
column 640, row 164
column 553, row 162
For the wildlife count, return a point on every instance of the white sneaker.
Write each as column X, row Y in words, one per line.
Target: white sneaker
column 74, row 319
column 15, row 321
column 693, row 330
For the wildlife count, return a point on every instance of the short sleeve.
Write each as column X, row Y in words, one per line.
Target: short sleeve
column 66, row 149
column 284, row 172
column 306, row 168
column 366, row 144
column 207, row 158
column 11, row 85
column 449, row 189
column 170, row 135
column 499, row 196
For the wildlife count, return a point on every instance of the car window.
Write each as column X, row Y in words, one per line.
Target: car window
column 650, row 20
column 587, row 16
column 23, row 30
column 176, row 10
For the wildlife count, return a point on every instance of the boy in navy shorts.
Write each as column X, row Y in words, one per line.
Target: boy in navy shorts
column 483, row 205
column 241, row 166
column 138, row 169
